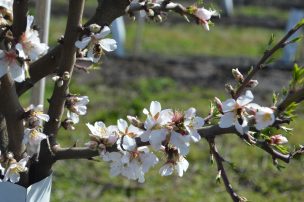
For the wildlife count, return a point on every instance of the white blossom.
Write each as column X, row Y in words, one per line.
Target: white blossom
column 76, row 106
column 96, row 43
column 102, row 134
column 32, row 139
column 233, row 113
column 264, row 117
column 156, row 120
column 30, row 42
column 180, row 165
column 192, row 123
column 15, row 168
column 9, row 62
column 204, row 16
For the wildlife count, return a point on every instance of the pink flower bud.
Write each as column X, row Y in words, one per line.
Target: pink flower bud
column 218, row 105
column 278, row 139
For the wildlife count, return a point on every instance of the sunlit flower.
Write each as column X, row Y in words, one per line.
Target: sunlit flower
column 264, row 117
column 278, row 139
column 204, row 16
column 96, row 44
column 36, row 115
column 129, row 130
column 76, row 106
column 233, row 113
column 192, row 123
column 175, row 162
column 156, row 118
column 32, row 139
column 12, row 62
column 1, row 168
column 100, row 134
column 15, row 168
column 30, row 42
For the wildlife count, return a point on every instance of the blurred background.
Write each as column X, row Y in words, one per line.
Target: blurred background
column 182, row 65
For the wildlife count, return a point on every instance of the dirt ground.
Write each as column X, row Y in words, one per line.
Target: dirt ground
column 210, row 72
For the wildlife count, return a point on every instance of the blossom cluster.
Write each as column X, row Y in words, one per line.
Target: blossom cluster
column 125, row 146
column 17, row 56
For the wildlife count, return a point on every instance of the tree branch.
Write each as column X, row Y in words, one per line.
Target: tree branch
column 220, row 167
column 293, row 96
column 12, row 111
column 107, row 11
column 264, row 58
column 67, row 62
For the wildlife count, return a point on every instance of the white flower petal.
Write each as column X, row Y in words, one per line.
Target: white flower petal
column 227, row 120
column 228, row 105
column 166, row 170
column 104, row 32
column 157, row 137
column 245, row 99
column 84, row 42
column 155, row 108
column 108, row 44
column 122, row 125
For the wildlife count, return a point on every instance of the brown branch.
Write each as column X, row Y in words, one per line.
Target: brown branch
column 264, row 58
column 3, row 135
column 20, row 9
column 12, row 111
column 66, row 64
column 219, row 161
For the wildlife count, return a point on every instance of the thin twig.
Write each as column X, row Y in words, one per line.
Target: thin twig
column 219, row 161
column 264, row 58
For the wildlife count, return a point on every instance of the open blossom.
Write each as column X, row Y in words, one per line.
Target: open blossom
column 30, row 42
column 124, row 129
column 204, row 16
column 102, row 136
column 233, row 112
column 15, row 168
column 192, row 123
column 264, row 117
column 76, row 106
column 12, row 61
column 32, row 139
column 36, row 115
column 156, row 118
column 278, row 139
column 175, row 162
column 96, row 43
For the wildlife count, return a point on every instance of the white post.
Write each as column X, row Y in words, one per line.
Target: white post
column 119, row 34
column 43, row 10
column 228, row 7
column 290, row 50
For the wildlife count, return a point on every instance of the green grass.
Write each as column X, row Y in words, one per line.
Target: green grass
column 258, row 11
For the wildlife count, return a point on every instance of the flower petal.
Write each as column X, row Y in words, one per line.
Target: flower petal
column 155, row 108
column 245, row 99
column 108, row 44
column 227, row 120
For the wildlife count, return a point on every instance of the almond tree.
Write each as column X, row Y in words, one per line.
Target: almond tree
column 29, row 150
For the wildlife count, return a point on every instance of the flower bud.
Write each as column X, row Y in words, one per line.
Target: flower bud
column 278, row 139
column 218, row 105
column 55, row 78
column 252, row 83
column 229, row 89
column 66, row 76
column 135, row 122
column 237, row 75
column 59, row 83
column 94, row 28
column 158, row 18
column 150, row 13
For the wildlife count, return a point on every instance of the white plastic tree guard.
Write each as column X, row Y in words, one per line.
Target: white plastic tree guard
column 290, row 51
column 38, row 192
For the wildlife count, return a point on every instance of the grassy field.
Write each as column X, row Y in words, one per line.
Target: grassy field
column 255, row 177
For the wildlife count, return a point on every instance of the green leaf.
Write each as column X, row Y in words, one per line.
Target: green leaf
column 274, row 98
column 295, row 40
column 271, row 39
column 300, row 24
column 281, row 148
